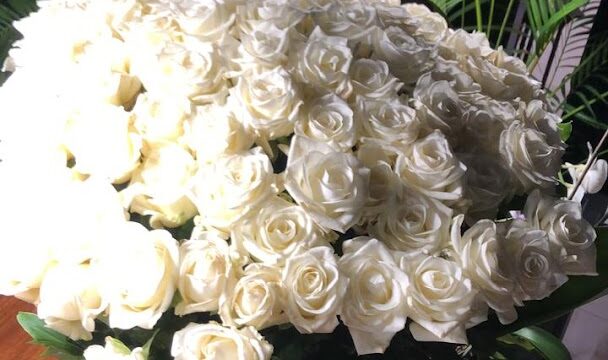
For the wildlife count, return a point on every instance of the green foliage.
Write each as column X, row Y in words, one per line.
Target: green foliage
column 11, row 10
column 57, row 344
column 565, row 130
column 544, row 342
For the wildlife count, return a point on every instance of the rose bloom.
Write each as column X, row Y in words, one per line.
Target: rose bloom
column 571, row 236
column 331, row 186
column 314, row 289
column 213, row 340
column 256, row 299
column 372, row 79
column 206, row 269
column 328, row 119
column 140, row 279
column 323, row 62
column 374, row 308
column 277, row 231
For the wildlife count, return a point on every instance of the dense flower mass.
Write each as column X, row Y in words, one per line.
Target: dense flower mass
column 270, row 129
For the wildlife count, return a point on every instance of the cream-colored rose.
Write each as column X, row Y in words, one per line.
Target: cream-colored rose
column 206, row 20
column 438, row 106
column 429, row 166
column 331, row 186
column 355, row 20
column 276, row 232
column 415, row 224
column 71, row 299
column 268, row 101
column 387, row 119
column 228, row 189
column 103, row 148
column 161, row 185
column 214, row 131
column 161, row 119
column 214, row 341
column 479, row 253
column 441, row 299
column 373, row 79
column 256, row 299
column 328, row 119
column 140, row 270
column 323, row 62
column 374, row 307
column 314, row 290
column 206, row 269
column 450, row 71
column 264, row 45
column 407, row 57
column 462, row 44
column 571, row 236
column 193, row 70
column 421, row 21
column 535, row 115
column 113, row 350
column 531, row 263
column 532, row 161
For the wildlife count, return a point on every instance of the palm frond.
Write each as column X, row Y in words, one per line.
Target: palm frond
column 587, row 85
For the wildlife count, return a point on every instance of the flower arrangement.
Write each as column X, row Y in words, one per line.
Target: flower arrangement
column 234, row 166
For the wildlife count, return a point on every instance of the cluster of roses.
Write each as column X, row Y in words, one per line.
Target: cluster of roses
column 394, row 126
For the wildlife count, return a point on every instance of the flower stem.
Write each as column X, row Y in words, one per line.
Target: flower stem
column 590, row 162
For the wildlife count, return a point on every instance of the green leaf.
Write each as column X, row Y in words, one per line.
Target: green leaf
column 148, row 345
column 578, row 291
column 545, row 343
column 119, row 346
column 565, row 130
column 56, row 343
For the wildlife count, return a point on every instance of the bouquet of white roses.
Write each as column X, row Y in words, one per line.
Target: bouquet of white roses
column 218, row 171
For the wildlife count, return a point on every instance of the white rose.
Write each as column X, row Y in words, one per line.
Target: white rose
column 488, row 184
column 355, row 21
column 386, row 119
column 264, row 45
column 479, row 252
column 532, row 161
column 256, row 299
column 421, row 21
column 331, row 186
column 213, row 340
column 502, row 77
column 429, row 166
column 314, row 290
column 103, row 148
column 374, row 307
column 323, row 62
column 268, row 101
column 415, row 224
column 328, row 119
column 161, row 119
column 113, row 350
column 461, row 44
column 373, row 79
column 450, row 71
column 161, row 185
column 207, row 20
column 441, row 299
column 407, row 57
column 535, row 115
column 71, row 299
column 206, row 269
column 140, row 270
column 531, row 263
column 228, row 189
column 276, row 232
column 193, row 70
column 438, row 106
column 563, row 222
column 214, row 130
